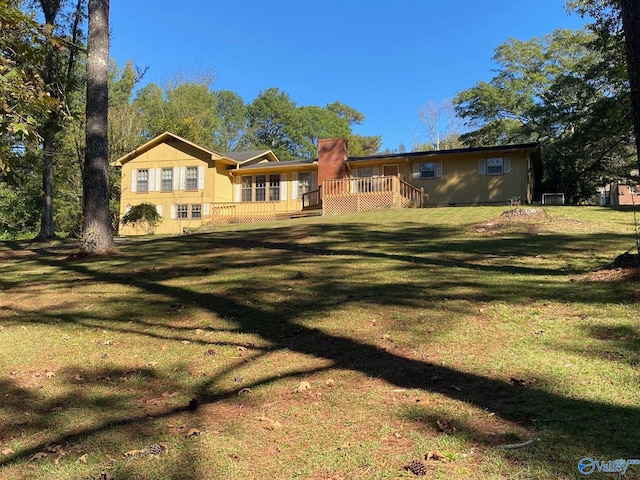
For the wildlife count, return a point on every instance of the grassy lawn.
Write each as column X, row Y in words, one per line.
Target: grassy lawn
column 326, row 348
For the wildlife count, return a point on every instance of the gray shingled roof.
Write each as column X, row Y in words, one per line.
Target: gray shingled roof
column 244, row 156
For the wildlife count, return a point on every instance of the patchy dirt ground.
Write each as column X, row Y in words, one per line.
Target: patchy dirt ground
column 530, row 220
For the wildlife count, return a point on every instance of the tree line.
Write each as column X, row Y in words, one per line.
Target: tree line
column 575, row 91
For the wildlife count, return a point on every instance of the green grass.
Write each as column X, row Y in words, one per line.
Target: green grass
column 504, row 330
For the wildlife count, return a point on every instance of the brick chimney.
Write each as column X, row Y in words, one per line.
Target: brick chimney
column 332, row 155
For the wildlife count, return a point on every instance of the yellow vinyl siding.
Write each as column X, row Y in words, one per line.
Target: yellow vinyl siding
column 178, row 157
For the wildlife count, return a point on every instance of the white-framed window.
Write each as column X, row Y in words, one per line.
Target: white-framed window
column 495, row 166
column 192, row 178
column 247, row 188
column 196, row 212
column 261, row 188
column 182, row 211
column 166, row 184
column 428, row 170
column 304, row 183
column 142, row 184
column 274, row 188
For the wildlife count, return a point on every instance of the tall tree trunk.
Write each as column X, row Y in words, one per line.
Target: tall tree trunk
column 631, row 23
column 50, row 130
column 96, row 236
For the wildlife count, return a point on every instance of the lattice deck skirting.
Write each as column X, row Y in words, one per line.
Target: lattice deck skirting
column 362, row 202
column 220, row 220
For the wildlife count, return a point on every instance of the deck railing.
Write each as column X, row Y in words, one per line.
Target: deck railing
column 312, row 199
column 364, row 185
column 242, row 212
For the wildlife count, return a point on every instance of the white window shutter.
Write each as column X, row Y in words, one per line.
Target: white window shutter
column 294, row 186
column 158, row 179
column 238, row 189
column 415, row 170
column 176, row 178
column 205, row 208
column 201, row 178
column 376, row 172
column 438, row 169
column 173, row 211
column 152, row 179
column 159, row 209
column 482, row 167
column 506, row 165
column 134, row 179
column 183, row 178
column 283, row 186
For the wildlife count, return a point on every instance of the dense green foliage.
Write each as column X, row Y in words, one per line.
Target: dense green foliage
column 567, row 90
column 144, row 216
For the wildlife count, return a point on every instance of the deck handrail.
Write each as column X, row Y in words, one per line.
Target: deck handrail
column 364, row 185
column 312, row 199
column 414, row 194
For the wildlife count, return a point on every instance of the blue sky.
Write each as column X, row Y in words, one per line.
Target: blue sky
column 385, row 59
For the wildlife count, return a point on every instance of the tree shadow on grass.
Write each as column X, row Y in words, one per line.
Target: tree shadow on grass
column 568, row 418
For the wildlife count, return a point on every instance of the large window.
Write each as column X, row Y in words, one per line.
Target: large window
column 143, row 180
column 495, row 166
column 192, row 178
column 304, row 183
column 274, row 188
column 195, row 210
column 247, row 188
column 261, row 188
column 167, row 180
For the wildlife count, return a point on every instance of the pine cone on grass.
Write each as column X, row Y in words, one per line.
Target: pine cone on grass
column 158, row 449
column 417, row 467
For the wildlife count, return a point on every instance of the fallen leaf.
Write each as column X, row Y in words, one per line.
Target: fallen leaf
column 434, row 455
column 245, row 391
column 194, row 432
column 302, row 386
column 210, row 353
column 242, row 351
column 104, row 475
column 198, row 331
column 78, row 378
column 186, row 342
column 49, row 374
column 330, row 382
column 170, row 395
column 57, row 449
column 38, row 456
column 7, row 451
column 445, row 427
column 14, row 372
column 132, row 453
column 270, row 424
column 107, row 342
column 518, row 382
column 82, row 459
column 151, row 364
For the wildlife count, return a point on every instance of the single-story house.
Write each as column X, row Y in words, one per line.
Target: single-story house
column 192, row 186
